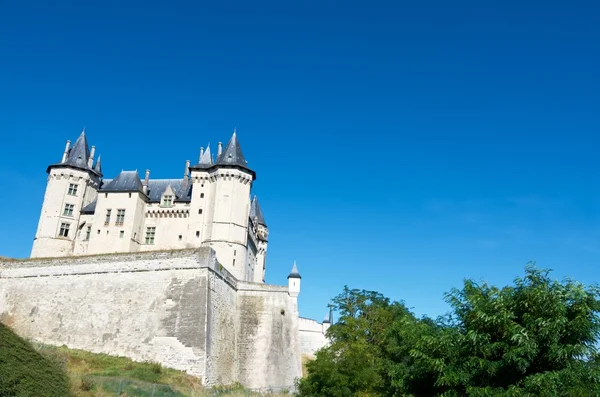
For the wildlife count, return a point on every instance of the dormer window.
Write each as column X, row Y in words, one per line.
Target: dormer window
column 168, row 197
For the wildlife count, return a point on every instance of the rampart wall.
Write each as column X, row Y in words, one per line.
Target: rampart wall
column 179, row 308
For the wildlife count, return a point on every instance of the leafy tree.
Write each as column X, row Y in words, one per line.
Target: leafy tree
column 537, row 337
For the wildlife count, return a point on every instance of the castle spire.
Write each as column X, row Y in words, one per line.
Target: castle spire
column 205, row 159
column 256, row 213
column 294, row 273
column 98, row 166
column 79, row 154
column 232, row 154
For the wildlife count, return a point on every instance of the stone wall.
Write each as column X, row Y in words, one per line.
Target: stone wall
column 312, row 336
column 269, row 345
column 181, row 308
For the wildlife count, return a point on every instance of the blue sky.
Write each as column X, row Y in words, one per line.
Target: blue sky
column 399, row 147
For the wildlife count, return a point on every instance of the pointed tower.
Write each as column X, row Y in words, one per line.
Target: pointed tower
column 98, row 166
column 72, row 184
column 220, row 208
column 262, row 235
column 294, row 282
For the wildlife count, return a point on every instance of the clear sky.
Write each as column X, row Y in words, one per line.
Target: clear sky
column 399, row 146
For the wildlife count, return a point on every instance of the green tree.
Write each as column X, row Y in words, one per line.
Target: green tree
column 537, row 337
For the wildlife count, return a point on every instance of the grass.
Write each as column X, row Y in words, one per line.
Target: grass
column 101, row 375
column 24, row 372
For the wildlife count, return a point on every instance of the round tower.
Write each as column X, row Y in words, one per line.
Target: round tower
column 227, row 219
column 72, row 184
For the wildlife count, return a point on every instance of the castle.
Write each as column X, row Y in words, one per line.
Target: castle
column 210, row 206
column 166, row 270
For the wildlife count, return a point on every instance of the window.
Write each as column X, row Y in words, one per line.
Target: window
column 180, row 237
column 201, row 195
column 72, row 189
column 150, row 233
column 120, row 217
column 64, row 230
column 197, row 233
column 200, row 211
column 121, row 234
column 234, row 262
column 167, row 201
column 88, row 233
column 68, row 209
column 107, row 220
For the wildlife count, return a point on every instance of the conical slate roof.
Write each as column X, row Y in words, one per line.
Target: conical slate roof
column 98, row 166
column 232, row 155
column 294, row 273
column 206, row 159
column 78, row 157
column 126, row 181
column 79, row 153
column 255, row 212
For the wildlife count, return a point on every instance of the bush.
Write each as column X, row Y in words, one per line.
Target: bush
column 24, row 372
column 87, row 383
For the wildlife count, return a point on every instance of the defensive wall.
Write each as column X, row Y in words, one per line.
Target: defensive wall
column 180, row 308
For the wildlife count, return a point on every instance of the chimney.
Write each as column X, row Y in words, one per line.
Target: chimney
column 145, row 184
column 201, row 154
column 66, row 153
column 91, row 159
column 219, row 150
column 187, row 170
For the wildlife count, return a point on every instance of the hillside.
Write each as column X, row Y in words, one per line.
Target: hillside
column 25, row 372
column 35, row 370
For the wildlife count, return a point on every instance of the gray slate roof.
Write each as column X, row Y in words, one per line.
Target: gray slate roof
column 232, row 155
column 79, row 154
column 181, row 187
column 255, row 212
column 90, row 208
column 98, row 166
column 126, row 181
column 78, row 157
column 206, row 160
column 294, row 273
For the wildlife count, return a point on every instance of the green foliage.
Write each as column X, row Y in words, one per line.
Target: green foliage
column 24, row 372
column 537, row 337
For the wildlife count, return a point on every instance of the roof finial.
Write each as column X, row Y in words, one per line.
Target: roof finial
column 83, row 130
column 234, row 129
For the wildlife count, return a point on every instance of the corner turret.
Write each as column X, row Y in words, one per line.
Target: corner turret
column 72, row 185
column 294, row 282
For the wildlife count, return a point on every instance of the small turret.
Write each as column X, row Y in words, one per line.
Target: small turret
column 294, row 282
column 327, row 321
column 98, row 166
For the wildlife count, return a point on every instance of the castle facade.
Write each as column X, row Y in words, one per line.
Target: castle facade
column 163, row 270
column 84, row 213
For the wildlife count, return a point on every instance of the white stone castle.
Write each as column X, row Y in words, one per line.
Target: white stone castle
column 168, row 270
column 210, row 206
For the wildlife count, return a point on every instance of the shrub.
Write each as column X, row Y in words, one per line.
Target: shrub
column 87, row 383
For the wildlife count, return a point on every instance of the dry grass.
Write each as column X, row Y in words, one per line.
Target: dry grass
column 101, row 375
